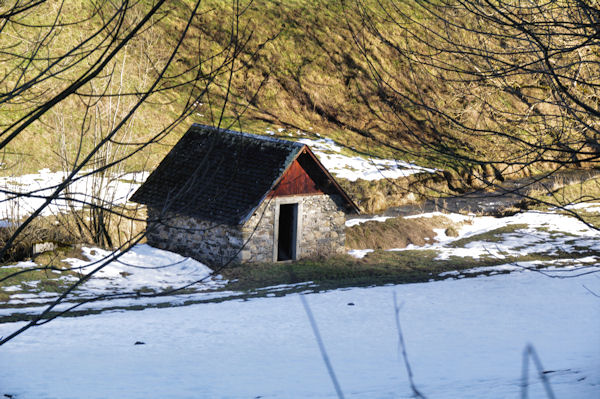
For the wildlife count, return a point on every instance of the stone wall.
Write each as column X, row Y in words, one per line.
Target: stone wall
column 210, row 243
column 321, row 228
column 320, row 232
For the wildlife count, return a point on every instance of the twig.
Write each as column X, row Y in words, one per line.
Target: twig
column 402, row 350
column 590, row 291
column 315, row 329
column 530, row 353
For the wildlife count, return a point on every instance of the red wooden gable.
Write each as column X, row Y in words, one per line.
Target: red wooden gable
column 295, row 181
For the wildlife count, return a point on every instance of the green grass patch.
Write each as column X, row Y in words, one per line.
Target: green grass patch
column 563, row 194
column 32, row 281
column 46, row 276
column 377, row 268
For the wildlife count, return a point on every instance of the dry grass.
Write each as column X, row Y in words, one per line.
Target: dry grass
column 122, row 224
column 564, row 192
column 374, row 196
column 311, row 77
column 396, row 232
column 68, row 229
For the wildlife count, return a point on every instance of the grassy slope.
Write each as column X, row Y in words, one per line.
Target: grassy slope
column 310, row 74
column 301, row 69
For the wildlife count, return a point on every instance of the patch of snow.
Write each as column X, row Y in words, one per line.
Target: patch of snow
column 449, row 273
column 588, row 259
column 355, row 167
column 24, row 194
column 31, row 296
column 142, row 267
column 356, row 221
column 321, row 145
column 455, row 217
column 26, row 264
column 34, row 307
column 586, row 206
column 543, row 232
column 359, row 253
column 510, row 267
column 285, row 287
column 553, row 268
column 137, row 177
column 440, row 235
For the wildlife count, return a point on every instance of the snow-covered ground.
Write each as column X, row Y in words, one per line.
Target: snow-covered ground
column 465, row 339
column 465, row 336
column 21, row 195
column 142, row 269
column 353, row 167
column 356, row 167
column 527, row 233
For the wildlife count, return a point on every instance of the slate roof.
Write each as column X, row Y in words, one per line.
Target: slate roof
column 220, row 175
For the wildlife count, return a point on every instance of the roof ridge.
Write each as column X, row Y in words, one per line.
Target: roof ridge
column 247, row 135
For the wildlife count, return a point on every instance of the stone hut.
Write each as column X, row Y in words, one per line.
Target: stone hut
column 223, row 196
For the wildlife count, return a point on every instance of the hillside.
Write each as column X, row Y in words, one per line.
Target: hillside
column 362, row 77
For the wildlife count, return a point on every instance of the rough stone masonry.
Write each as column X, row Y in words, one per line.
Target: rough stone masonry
column 320, row 232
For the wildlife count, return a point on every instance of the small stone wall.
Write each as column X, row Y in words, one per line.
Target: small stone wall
column 320, row 232
column 321, row 227
column 208, row 242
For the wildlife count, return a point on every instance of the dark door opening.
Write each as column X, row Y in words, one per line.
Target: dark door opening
column 286, row 242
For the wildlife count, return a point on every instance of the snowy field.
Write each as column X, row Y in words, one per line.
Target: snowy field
column 465, row 339
column 543, row 237
column 531, row 233
column 142, row 269
column 21, row 195
column 465, row 336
